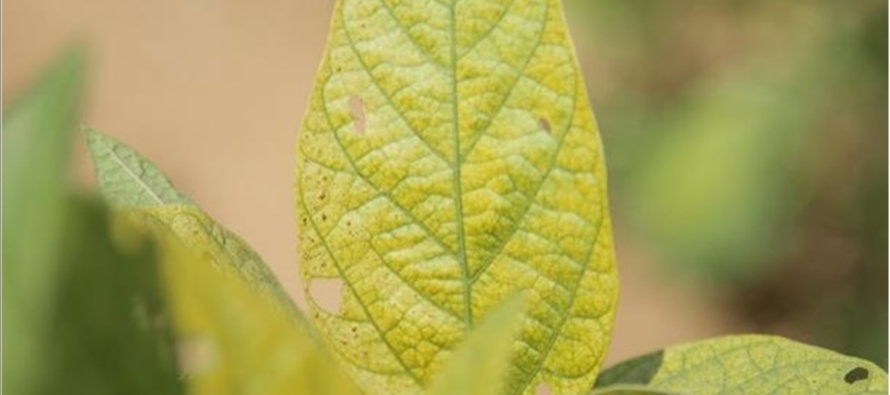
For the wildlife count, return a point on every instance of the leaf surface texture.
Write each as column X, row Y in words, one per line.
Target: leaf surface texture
column 448, row 159
column 749, row 364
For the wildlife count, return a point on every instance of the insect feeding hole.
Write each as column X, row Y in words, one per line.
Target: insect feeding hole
column 357, row 108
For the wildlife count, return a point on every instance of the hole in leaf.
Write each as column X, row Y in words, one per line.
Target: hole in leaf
column 196, row 355
column 856, row 374
column 544, row 124
column 542, row 389
column 327, row 293
column 357, row 108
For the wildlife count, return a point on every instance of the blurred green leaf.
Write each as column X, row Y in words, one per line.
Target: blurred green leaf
column 127, row 180
column 35, row 149
column 715, row 195
column 79, row 313
column 479, row 366
column 748, row 364
column 110, row 332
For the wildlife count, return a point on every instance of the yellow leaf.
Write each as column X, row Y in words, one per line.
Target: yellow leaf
column 449, row 158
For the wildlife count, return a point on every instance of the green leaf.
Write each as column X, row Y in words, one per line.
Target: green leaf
column 479, row 365
column 749, row 364
column 232, row 339
column 127, row 180
column 724, row 200
column 448, row 159
column 36, row 136
column 110, row 330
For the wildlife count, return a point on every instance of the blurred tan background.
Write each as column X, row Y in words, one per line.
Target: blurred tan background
column 213, row 92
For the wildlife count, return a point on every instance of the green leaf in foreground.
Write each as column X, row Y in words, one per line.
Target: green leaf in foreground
column 232, row 339
column 448, row 159
column 479, row 365
column 109, row 332
column 127, row 180
column 749, row 364
column 36, row 137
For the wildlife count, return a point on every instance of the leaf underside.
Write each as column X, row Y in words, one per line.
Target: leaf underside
column 129, row 181
column 748, row 364
column 448, row 159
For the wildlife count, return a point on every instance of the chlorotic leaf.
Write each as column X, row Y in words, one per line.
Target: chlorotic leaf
column 232, row 339
column 479, row 365
column 749, row 364
column 448, row 159
column 127, row 180
column 36, row 143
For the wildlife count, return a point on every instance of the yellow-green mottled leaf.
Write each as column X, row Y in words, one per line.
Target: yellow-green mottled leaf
column 449, row 158
column 232, row 339
column 479, row 365
column 749, row 364
column 630, row 389
column 127, row 180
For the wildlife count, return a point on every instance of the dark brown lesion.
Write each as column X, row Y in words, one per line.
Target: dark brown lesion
column 856, row 374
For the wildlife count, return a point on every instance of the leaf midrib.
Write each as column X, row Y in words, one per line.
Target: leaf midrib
column 458, row 187
column 133, row 175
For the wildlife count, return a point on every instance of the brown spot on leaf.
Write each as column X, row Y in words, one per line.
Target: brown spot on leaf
column 544, row 124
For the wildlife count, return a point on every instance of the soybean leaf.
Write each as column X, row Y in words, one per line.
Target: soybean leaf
column 479, row 365
column 749, row 364
column 232, row 339
column 127, row 180
column 625, row 389
column 448, row 159
column 109, row 332
column 36, row 136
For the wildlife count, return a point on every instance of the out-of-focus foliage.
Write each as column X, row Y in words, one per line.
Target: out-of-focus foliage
column 36, row 134
column 747, row 147
column 478, row 366
column 69, row 292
